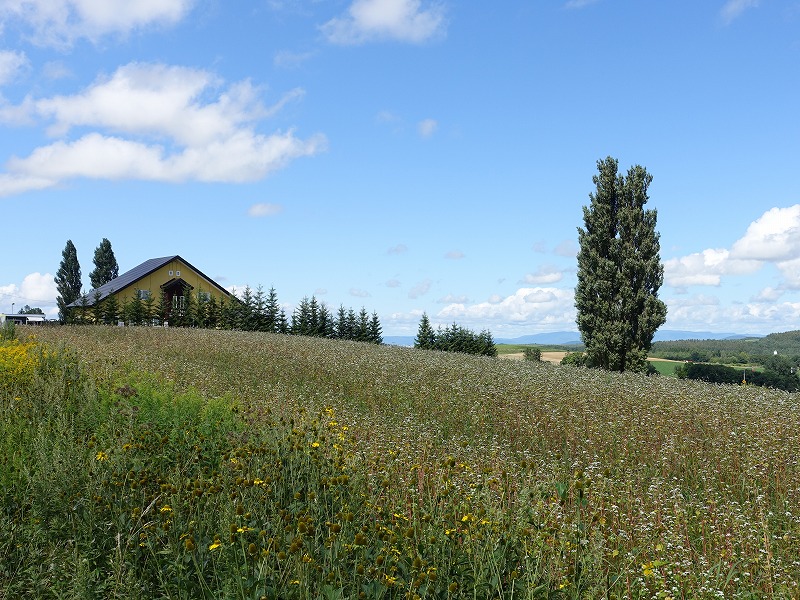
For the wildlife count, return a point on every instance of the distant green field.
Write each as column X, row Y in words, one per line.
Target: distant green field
column 665, row 367
column 517, row 348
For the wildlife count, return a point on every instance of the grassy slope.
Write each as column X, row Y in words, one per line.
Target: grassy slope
column 661, row 486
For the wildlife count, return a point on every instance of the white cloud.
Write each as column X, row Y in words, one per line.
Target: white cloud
column 398, row 249
column 291, row 60
column 543, row 308
column 768, row 294
column 393, row 283
column 154, row 125
column 55, row 69
column 264, row 210
column 452, row 299
column 372, row 20
column 773, row 238
column 543, row 275
column 707, row 313
column 567, row 248
column 427, row 127
column 60, row 22
column 37, row 290
column 358, row 293
column 10, row 64
column 454, row 255
column 734, row 8
column 422, row 288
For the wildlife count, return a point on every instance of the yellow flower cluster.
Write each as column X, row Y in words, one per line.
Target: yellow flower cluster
column 18, row 363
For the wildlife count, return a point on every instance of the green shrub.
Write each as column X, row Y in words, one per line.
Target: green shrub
column 534, row 354
column 576, row 359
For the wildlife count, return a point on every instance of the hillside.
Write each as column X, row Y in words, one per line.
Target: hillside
column 390, row 469
column 740, row 350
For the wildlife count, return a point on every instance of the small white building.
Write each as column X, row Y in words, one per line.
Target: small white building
column 23, row 319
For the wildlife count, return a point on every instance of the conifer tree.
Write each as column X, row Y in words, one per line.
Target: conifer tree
column 246, row 310
column 283, row 322
column 105, row 265
column 313, row 317
column 97, row 309
column 352, row 325
column 301, row 317
column 426, row 337
column 163, row 308
column 272, row 311
column 111, row 309
column 375, row 330
column 619, row 271
column 84, row 310
column 68, row 280
column 133, row 311
column 362, row 334
column 341, row 324
column 325, row 321
column 212, row 312
column 148, row 309
column 259, row 322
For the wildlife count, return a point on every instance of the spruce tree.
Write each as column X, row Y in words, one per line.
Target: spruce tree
column 362, row 330
column 283, row 322
column 341, row 324
column 426, row 337
column 111, row 309
column 212, row 313
column 97, row 309
column 68, row 280
column 619, row 271
column 133, row 311
column 105, row 265
column 259, row 310
column 272, row 311
column 148, row 309
column 375, row 329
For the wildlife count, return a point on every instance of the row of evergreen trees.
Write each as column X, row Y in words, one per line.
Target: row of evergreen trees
column 454, row 339
column 254, row 311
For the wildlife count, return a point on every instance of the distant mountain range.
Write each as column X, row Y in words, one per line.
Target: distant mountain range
column 568, row 338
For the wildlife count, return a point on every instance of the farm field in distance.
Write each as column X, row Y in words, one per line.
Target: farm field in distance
column 154, row 463
column 516, row 352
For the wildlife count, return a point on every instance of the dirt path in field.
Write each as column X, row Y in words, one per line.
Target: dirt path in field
column 551, row 357
column 555, row 357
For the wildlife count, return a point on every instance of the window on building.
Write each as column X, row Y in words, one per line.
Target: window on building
column 144, row 294
column 204, row 296
column 179, row 304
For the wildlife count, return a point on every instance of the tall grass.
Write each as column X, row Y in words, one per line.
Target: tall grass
column 177, row 463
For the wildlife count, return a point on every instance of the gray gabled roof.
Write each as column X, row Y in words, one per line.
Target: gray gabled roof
column 135, row 274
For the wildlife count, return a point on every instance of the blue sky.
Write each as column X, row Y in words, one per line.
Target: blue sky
column 405, row 155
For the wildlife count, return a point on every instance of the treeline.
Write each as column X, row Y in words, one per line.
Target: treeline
column 741, row 351
column 256, row 310
column 454, row 339
column 787, row 381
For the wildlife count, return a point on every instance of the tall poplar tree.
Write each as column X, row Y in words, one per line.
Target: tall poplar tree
column 68, row 280
column 105, row 265
column 619, row 271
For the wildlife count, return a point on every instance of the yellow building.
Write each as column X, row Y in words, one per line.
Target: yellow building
column 171, row 276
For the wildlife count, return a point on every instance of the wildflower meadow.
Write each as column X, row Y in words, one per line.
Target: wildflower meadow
column 145, row 462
